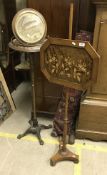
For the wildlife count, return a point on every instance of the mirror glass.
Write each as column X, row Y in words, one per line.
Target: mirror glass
column 29, row 26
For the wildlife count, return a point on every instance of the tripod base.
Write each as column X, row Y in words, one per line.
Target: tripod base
column 35, row 129
column 64, row 155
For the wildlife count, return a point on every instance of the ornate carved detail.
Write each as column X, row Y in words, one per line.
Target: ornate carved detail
column 72, row 64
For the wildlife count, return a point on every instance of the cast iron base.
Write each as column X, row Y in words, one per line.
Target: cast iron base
column 35, row 129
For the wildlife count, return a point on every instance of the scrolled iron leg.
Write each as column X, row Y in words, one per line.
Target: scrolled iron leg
column 38, row 129
column 35, row 129
column 24, row 134
column 46, row 127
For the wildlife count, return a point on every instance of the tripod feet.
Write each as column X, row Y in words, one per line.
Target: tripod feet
column 52, row 162
column 19, row 136
column 64, row 155
column 45, row 127
column 35, row 129
column 41, row 142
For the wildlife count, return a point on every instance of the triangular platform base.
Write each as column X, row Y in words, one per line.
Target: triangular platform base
column 64, row 155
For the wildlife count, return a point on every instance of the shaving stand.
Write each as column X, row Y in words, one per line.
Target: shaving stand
column 33, row 53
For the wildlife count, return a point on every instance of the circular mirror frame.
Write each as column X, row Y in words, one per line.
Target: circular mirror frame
column 23, row 12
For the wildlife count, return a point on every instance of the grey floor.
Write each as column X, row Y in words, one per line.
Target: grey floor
column 27, row 157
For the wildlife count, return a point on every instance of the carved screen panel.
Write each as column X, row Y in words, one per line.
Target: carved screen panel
column 69, row 63
column 66, row 63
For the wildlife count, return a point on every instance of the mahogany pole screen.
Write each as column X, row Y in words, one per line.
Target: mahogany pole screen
column 73, row 64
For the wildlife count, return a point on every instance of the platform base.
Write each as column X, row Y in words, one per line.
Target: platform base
column 64, row 155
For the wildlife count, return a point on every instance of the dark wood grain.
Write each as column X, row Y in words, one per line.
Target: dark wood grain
column 56, row 13
column 10, row 10
column 86, row 15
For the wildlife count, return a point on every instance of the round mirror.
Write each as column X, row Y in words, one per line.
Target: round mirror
column 29, row 27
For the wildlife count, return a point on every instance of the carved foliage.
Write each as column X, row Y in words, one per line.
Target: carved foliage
column 68, row 63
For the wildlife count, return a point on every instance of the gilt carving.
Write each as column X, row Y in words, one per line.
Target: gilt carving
column 66, row 63
column 70, row 63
